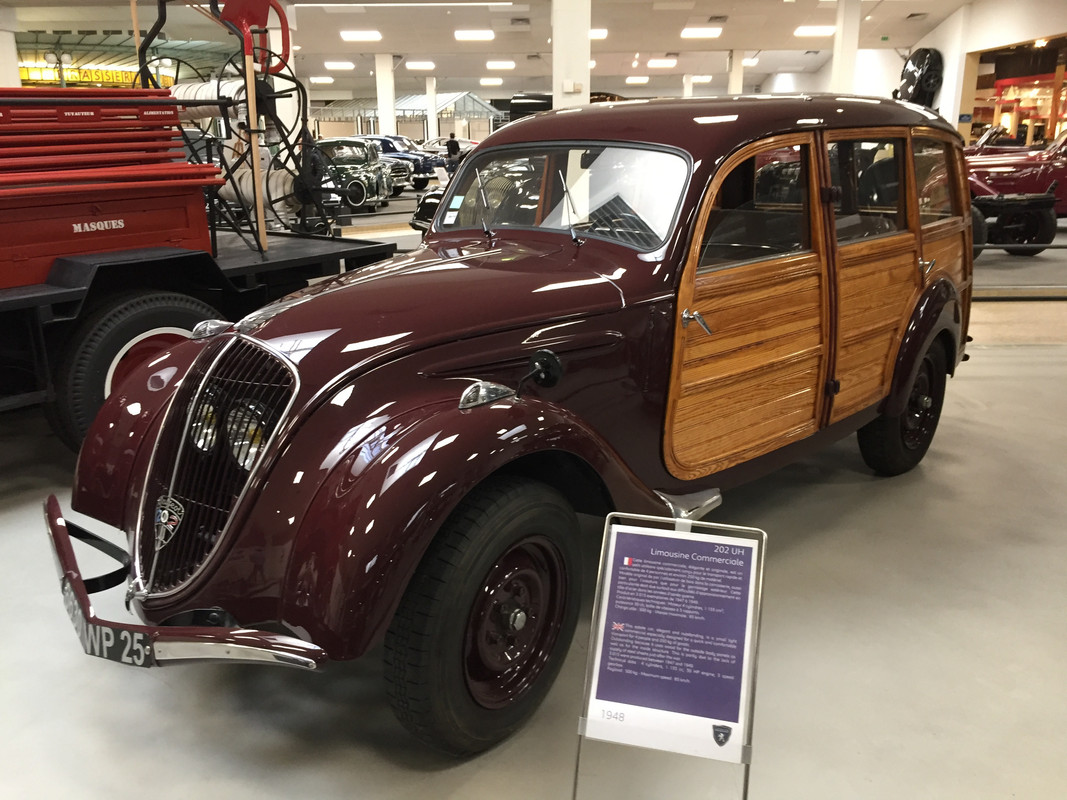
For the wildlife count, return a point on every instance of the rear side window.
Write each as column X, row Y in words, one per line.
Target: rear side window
column 870, row 176
column 761, row 209
column 937, row 201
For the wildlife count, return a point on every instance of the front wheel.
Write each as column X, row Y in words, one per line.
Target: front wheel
column 420, row 183
column 892, row 445
column 485, row 623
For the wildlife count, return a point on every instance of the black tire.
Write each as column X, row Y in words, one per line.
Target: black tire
column 101, row 344
column 397, row 191
column 979, row 230
column 420, row 183
column 894, row 445
column 356, row 194
column 1027, row 227
column 486, row 621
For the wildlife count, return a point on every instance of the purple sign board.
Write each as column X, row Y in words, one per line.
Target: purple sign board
column 674, row 637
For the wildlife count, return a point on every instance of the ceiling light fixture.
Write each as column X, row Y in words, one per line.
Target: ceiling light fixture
column 662, row 63
column 419, row 64
column 592, row 63
column 701, row 79
column 749, row 62
column 636, row 80
column 491, row 81
column 500, row 65
column 815, row 30
column 702, row 33
column 598, row 33
column 321, row 79
column 474, row 36
column 339, row 65
column 361, row 36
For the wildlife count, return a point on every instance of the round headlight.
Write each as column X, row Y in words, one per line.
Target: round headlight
column 204, row 429
column 246, row 433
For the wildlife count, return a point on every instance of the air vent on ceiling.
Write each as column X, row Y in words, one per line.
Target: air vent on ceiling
column 718, row 19
column 533, row 56
column 918, row 15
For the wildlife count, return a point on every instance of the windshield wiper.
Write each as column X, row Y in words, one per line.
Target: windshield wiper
column 571, row 211
column 485, row 206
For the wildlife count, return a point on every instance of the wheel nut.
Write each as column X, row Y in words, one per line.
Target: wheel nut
column 517, row 619
column 926, row 402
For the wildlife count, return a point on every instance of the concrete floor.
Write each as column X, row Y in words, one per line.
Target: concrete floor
column 913, row 643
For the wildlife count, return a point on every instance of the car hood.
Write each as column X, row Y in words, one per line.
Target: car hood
column 448, row 292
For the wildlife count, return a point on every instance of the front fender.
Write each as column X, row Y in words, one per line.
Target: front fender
column 375, row 514
column 938, row 314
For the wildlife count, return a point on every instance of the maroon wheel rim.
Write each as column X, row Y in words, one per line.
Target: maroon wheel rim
column 515, row 622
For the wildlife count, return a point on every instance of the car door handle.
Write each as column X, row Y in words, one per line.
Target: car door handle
column 694, row 316
column 928, row 265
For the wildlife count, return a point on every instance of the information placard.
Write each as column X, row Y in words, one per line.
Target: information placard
column 674, row 637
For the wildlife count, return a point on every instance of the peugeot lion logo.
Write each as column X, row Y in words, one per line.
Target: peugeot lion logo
column 169, row 513
column 721, row 733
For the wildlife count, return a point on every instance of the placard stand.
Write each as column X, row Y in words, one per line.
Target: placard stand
column 674, row 639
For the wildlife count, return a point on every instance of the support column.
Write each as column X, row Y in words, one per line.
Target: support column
column 289, row 111
column 9, row 54
column 383, row 78
column 846, row 43
column 432, row 127
column 968, row 90
column 570, row 52
column 735, row 82
column 687, row 86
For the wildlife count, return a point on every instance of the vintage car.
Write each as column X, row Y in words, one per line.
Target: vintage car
column 401, row 172
column 360, row 179
column 423, row 164
column 617, row 307
column 997, row 139
column 439, row 146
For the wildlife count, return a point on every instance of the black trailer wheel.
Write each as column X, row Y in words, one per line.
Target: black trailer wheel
column 1034, row 226
column 892, row 445
column 485, row 623
column 103, row 350
column 420, row 183
column 979, row 230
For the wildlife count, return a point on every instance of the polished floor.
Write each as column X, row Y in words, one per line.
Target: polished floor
column 913, row 645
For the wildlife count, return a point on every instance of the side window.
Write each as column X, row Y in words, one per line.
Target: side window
column 761, row 209
column 869, row 173
column 932, row 178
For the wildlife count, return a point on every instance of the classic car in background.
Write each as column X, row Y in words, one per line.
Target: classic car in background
column 426, row 209
column 439, row 146
column 1024, row 191
column 399, row 455
column 423, row 164
column 996, row 139
column 361, row 180
column 401, row 172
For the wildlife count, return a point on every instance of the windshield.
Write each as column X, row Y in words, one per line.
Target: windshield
column 345, row 153
column 622, row 193
column 403, row 145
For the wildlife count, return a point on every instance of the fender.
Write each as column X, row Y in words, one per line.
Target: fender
column 936, row 314
column 374, row 516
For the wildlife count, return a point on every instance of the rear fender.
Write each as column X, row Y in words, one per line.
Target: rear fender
column 377, row 511
column 937, row 315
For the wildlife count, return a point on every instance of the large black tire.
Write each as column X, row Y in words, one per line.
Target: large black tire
column 420, row 183
column 119, row 334
column 891, row 445
column 1037, row 226
column 979, row 230
column 397, row 191
column 486, row 621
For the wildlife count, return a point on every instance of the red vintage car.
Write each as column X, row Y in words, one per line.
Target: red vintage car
column 623, row 306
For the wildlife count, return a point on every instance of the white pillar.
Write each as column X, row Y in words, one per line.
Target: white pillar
column 9, row 54
column 288, row 107
column 687, row 86
column 846, row 43
column 383, row 77
column 570, row 52
column 432, row 129
column 735, row 83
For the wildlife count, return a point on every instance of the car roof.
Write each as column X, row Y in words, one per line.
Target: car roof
column 716, row 125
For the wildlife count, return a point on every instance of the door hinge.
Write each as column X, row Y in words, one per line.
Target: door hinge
column 830, row 194
column 833, row 386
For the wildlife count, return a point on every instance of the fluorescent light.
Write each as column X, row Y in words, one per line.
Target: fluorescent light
column 474, row 36
column 815, row 30
column 361, row 36
column 419, row 64
column 749, row 62
column 662, row 63
column 702, row 79
column 500, row 65
column 592, row 63
column 491, row 81
column 702, row 33
column 636, row 80
column 321, row 79
column 339, row 65
column 598, row 33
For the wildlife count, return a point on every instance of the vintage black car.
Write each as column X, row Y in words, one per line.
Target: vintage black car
column 423, row 163
column 361, row 180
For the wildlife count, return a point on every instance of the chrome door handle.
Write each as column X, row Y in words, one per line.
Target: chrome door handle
column 928, row 265
column 694, row 316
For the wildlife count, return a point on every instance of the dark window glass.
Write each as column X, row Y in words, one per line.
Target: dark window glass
column 936, row 201
column 869, row 175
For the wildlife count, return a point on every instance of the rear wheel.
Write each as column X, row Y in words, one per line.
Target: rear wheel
column 109, row 344
column 485, row 623
column 420, row 183
column 891, row 445
column 979, row 230
column 1027, row 227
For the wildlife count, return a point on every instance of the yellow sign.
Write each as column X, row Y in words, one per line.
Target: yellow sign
column 80, row 77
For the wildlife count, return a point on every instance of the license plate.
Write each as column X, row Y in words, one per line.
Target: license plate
column 105, row 641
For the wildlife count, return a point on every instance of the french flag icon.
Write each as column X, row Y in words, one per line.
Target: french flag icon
column 627, row 561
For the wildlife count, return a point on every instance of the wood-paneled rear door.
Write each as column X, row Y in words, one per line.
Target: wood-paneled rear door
column 751, row 340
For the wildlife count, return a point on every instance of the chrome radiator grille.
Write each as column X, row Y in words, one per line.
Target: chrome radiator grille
column 223, row 417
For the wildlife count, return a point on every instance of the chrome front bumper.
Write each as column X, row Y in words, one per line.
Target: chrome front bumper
column 148, row 645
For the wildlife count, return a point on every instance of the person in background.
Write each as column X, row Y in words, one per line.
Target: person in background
column 452, row 147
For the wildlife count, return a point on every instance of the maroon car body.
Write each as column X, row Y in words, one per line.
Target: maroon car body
column 1024, row 171
column 302, row 485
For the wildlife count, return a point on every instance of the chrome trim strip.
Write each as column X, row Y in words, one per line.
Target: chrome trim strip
column 691, row 506
column 226, row 651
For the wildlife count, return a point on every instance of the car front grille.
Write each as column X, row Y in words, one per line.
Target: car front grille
column 220, row 424
column 400, row 172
